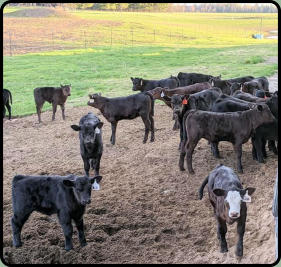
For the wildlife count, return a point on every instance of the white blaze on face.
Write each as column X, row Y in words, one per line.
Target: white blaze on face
column 234, row 200
column 162, row 94
column 97, row 130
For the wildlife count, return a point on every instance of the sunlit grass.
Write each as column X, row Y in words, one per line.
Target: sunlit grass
column 108, row 70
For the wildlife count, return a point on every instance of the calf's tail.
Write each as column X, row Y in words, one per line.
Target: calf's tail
column 201, row 188
column 152, row 102
column 10, row 96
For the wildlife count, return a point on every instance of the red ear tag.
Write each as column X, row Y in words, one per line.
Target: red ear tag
column 184, row 102
column 265, row 97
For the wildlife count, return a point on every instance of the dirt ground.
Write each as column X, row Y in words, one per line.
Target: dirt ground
column 147, row 211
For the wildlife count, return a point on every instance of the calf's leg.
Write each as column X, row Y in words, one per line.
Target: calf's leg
column 241, row 230
column 80, row 227
column 221, row 231
column 54, row 110
column 238, row 151
column 215, row 149
column 66, row 225
column 17, row 223
column 258, row 146
column 9, row 110
column 147, row 124
column 152, row 137
column 189, row 148
column 38, row 110
column 113, row 130
column 86, row 165
column 62, row 111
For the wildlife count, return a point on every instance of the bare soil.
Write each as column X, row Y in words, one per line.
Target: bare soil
column 147, row 211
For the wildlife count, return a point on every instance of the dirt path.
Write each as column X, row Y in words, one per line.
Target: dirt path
column 147, row 211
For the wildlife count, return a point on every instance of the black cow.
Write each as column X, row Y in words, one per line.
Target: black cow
column 54, row 95
column 91, row 146
column 65, row 195
column 191, row 78
column 267, row 131
column 255, row 84
column 234, row 127
column 143, row 85
column 224, row 85
column 128, row 107
column 7, row 97
column 247, row 97
column 241, row 79
column 228, row 198
column 202, row 100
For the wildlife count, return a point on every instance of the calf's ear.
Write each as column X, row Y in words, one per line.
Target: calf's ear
column 68, row 182
column 100, row 124
column 251, row 190
column 132, row 79
column 219, row 192
column 259, row 107
column 97, row 178
column 75, row 127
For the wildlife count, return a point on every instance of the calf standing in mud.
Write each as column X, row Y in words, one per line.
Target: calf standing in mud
column 128, row 107
column 54, row 95
column 65, row 195
column 228, row 199
column 91, row 146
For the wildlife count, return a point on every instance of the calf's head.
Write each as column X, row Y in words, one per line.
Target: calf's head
column 82, row 187
column 90, row 129
column 261, row 114
column 177, row 102
column 95, row 100
column 66, row 89
column 233, row 199
column 156, row 92
column 235, row 87
column 137, row 84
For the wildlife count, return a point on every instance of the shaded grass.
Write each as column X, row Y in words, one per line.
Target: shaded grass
column 108, row 70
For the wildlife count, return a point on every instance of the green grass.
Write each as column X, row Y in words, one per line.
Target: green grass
column 108, row 70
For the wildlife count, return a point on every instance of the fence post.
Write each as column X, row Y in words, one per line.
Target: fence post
column 111, row 36
column 85, row 38
column 10, row 44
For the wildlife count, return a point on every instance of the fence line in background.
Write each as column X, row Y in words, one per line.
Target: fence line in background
column 13, row 45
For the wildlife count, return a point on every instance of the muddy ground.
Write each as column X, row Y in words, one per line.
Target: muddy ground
column 147, row 211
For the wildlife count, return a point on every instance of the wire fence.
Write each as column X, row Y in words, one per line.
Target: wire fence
column 22, row 43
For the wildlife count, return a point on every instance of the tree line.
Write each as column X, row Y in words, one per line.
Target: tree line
column 165, row 7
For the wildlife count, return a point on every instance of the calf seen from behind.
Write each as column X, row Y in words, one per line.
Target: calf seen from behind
column 7, row 98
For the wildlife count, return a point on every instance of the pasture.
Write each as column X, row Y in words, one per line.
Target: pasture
column 147, row 211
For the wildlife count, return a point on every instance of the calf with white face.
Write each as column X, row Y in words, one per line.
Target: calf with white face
column 228, row 199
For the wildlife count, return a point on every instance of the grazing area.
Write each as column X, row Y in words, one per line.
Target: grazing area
column 145, row 209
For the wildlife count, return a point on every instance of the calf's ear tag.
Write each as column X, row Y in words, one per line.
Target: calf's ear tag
column 96, row 186
column 162, row 94
column 246, row 197
column 92, row 100
column 184, row 101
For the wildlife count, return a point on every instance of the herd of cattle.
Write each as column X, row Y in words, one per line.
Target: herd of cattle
column 203, row 106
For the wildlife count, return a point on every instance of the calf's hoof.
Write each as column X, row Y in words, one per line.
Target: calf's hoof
column 224, row 249
column 68, row 248
column 239, row 252
column 17, row 245
column 191, row 172
column 83, row 244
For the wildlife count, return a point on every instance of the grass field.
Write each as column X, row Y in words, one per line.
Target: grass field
column 217, row 44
